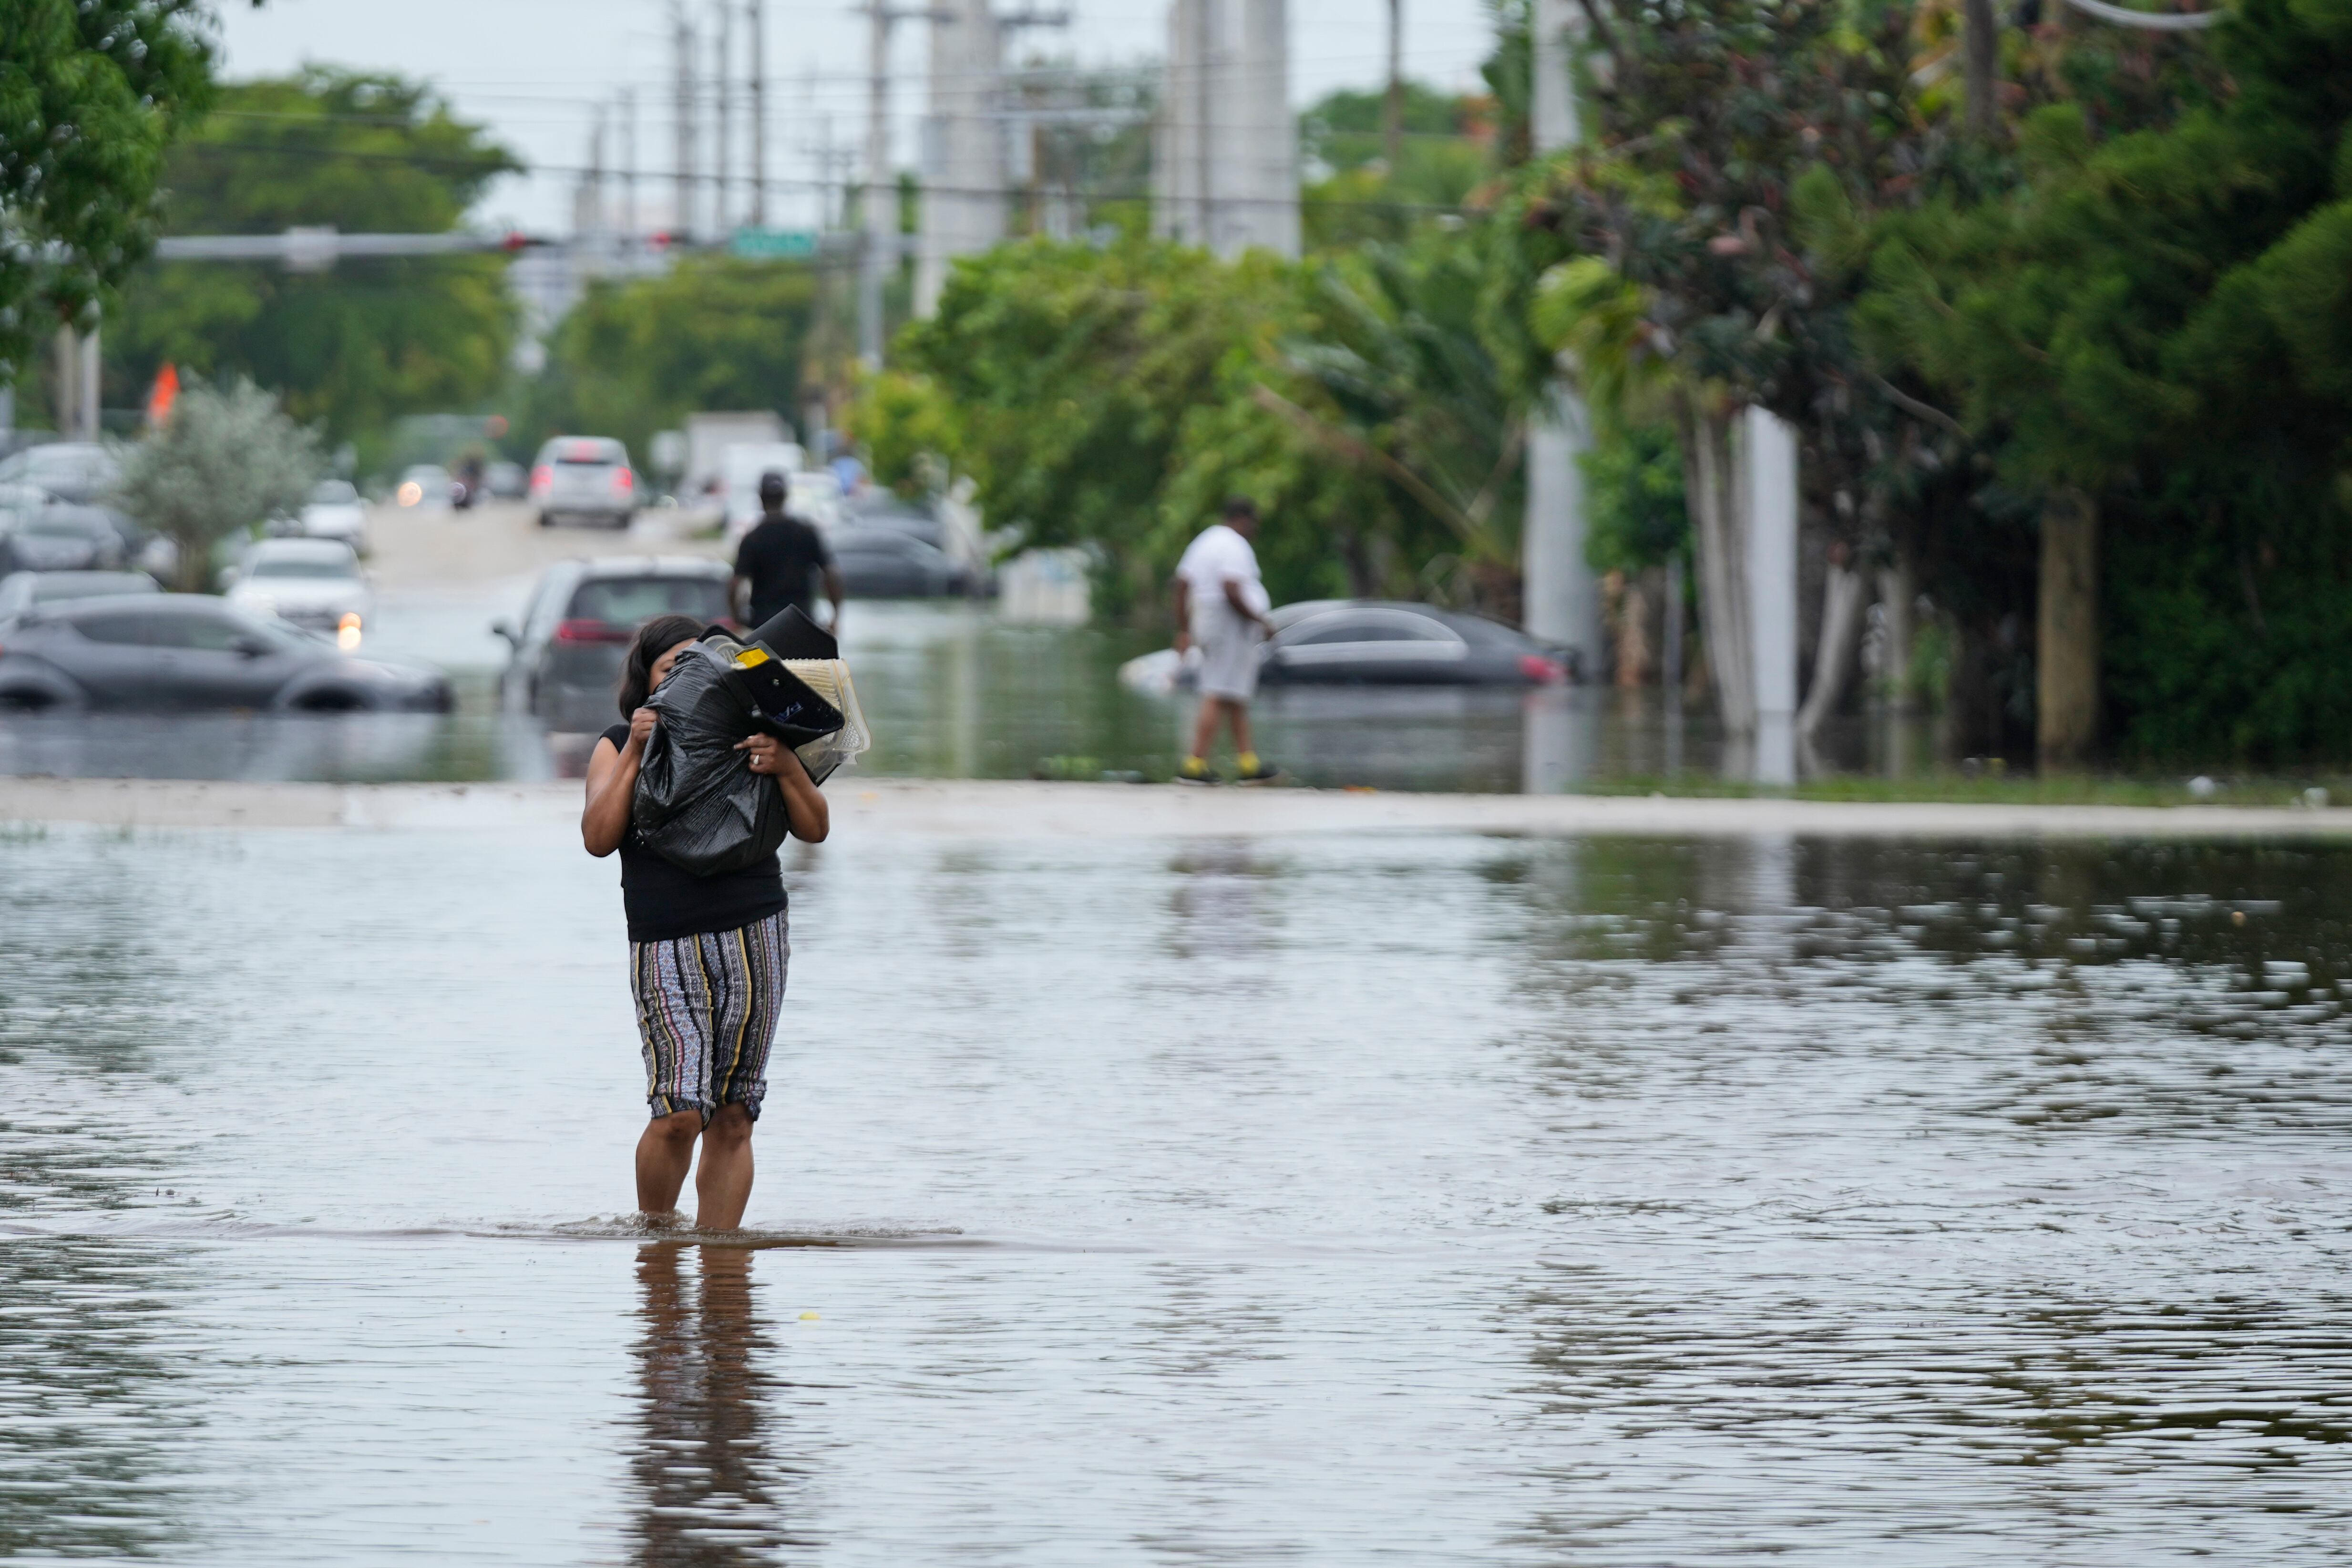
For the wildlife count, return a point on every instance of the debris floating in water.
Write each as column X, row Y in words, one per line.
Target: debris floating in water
column 808, row 1317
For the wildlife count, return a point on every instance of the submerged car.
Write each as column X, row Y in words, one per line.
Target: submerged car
column 1365, row 641
column 187, row 651
column 77, row 471
column 584, row 477
column 426, row 485
column 316, row 583
column 60, row 538
column 576, row 630
column 889, row 563
column 19, row 592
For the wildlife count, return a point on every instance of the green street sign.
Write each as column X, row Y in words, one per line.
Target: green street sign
column 774, row 245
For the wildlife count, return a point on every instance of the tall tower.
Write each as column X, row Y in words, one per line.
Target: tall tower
column 1225, row 160
column 965, row 179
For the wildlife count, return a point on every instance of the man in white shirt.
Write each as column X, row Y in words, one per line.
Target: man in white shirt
column 1221, row 603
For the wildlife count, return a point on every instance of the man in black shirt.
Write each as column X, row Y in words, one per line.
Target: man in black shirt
column 778, row 561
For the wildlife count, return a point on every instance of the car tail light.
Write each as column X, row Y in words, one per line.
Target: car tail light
column 623, row 480
column 1540, row 670
column 590, row 632
column 542, row 479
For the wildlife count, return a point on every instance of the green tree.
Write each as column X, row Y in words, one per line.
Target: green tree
column 226, row 460
column 1352, row 195
column 2150, row 333
column 638, row 355
column 91, row 94
column 355, row 348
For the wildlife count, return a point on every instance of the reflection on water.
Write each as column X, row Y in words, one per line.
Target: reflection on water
column 1446, row 1199
column 709, row 1489
column 952, row 692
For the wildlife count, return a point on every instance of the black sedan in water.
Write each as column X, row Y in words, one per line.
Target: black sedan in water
column 881, row 562
column 188, row 652
column 1379, row 643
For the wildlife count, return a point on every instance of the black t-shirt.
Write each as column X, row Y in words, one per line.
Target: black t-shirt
column 780, row 557
column 664, row 900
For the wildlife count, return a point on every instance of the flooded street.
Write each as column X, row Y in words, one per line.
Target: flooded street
column 1337, row 1198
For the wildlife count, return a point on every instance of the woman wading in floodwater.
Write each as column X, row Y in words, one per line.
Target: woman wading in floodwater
column 706, row 956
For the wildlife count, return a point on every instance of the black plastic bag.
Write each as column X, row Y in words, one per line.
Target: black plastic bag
column 697, row 803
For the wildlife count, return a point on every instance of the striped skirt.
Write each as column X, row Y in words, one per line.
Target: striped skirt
column 707, row 1009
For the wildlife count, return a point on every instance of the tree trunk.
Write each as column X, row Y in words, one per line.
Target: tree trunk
column 1983, row 48
column 1898, row 596
column 1712, row 479
column 2066, row 632
column 1833, row 654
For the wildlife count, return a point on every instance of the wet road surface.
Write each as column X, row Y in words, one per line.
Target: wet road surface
column 1339, row 1200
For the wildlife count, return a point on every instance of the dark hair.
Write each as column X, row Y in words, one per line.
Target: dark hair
column 654, row 638
column 773, row 485
column 1239, row 506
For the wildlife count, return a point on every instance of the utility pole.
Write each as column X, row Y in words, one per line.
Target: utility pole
column 722, row 106
column 629, row 166
column 756, row 41
column 682, row 42
column 1392, row 108
column 1561, row 602
column 879, row 211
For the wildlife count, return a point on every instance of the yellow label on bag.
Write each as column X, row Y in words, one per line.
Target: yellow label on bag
column 751, row 656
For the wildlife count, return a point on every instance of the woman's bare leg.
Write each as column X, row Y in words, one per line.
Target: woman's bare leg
column 664, row 1153
column 722, row 1182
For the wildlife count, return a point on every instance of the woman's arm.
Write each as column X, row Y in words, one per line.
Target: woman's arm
column 612, row 782
column 804, row 806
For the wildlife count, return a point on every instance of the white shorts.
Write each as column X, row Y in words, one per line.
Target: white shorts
column 1229, row 665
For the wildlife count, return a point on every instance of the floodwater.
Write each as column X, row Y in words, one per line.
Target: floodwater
column 952, row 690
column 1438, row 1199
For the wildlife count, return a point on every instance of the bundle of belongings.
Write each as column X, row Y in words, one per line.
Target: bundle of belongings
column 698, row 802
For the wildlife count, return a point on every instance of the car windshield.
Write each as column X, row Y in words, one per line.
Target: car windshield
column 334, row 493
column 631, row 600
column 297, row 566
column 598, row 452
column 60, row 525
column 50, row 586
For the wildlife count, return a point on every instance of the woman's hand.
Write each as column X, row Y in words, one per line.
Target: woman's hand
column 772, row 757
column 804, row 806
column 641, row 729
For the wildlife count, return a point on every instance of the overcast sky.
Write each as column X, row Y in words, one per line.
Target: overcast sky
column 534, row 69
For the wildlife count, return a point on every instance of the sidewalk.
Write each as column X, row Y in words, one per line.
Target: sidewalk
column 991, row 809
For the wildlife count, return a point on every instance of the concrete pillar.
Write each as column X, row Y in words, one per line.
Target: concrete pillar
column 1769, row 452
column 1561, row 598
column 86, row 427
column 1225, row 161
column 965, row 171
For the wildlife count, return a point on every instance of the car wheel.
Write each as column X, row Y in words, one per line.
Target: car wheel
column 42, row 698
column 545, row 521
column 328, row 699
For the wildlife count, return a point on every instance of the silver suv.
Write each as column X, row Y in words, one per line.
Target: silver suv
column 583, row 476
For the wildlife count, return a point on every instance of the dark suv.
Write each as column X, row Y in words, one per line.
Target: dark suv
column 569, row 648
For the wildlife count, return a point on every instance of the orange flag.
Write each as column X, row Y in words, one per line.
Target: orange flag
column 160, row 395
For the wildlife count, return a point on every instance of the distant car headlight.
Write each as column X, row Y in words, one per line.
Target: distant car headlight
column 409, row 493
column 347, row 630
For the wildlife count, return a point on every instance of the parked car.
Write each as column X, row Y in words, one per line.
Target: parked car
column 60, row 538
column 19, row 592
column 424, row 484
column 336, row 512
column 184, row 652
column 884, row 563
column 77, row 471
column 316, row 583
column 576, row 629
column 507, row 481
column 1362, row 642
column 583, row 476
